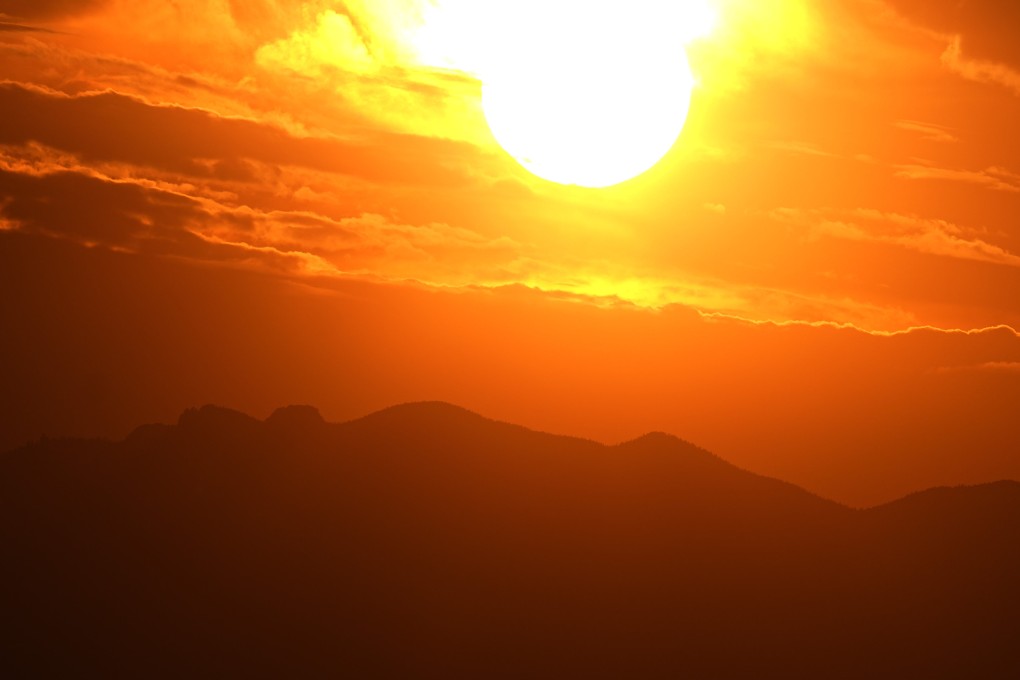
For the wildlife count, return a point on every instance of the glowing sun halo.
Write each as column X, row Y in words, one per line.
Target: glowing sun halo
column 594, row 104
column 583, row 92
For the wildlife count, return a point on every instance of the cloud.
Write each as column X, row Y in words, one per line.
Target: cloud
column 799, row 148
column 1002, row 366
column 763, row 305
column 370, row 246
column 603, row 283
column 995, row 178
column 1011, row 368
column 986, row 27
column 366, row 56
column 56, row 196
column 127, row 217
column 980, row 70
column 141, row 216
column 115, row 128
column 259, row 138
column 802, row 148
column 314, row 65
column 332, row 42
column 92, row 211
column 930, row 236
column 264, row 190
column 930, row 131
column 979, row 36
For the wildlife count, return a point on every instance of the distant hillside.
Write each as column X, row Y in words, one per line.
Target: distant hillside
column 425, row 541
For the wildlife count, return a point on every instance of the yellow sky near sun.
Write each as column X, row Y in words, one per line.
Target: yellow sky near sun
column 413, row 39
column 413, row 65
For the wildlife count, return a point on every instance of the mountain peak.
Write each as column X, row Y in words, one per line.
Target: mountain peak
column 423, row 414
column 662, row 441
column 655, row 438
column 654, row 557
column 430, row 408
column 296, row 416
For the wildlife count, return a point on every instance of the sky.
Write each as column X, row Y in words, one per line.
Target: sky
column 265, row 202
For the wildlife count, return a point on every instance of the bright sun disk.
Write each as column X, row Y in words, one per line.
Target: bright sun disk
column 583, row 93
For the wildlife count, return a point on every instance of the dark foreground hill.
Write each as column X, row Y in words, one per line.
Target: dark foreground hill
column 427, row 542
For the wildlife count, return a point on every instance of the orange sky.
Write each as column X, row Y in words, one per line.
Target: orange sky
column 264, row 202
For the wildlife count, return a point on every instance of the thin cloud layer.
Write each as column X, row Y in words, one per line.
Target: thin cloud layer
column 935, row 133
column 930, row 236
column 998, row 179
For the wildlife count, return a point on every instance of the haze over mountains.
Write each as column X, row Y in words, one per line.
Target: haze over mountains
column 120, row 339
column 427, row 541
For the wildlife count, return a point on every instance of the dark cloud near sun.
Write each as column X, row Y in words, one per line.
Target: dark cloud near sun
column 120, row 216
column 49, row 9
column 110, row 127
column 159, row 219
column 92, row 210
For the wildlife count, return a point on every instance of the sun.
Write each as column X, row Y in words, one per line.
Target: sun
column 589, row 116
column 579, row 92
column 594, row 97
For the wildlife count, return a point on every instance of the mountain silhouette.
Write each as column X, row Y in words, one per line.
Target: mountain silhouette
column 425, row 541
